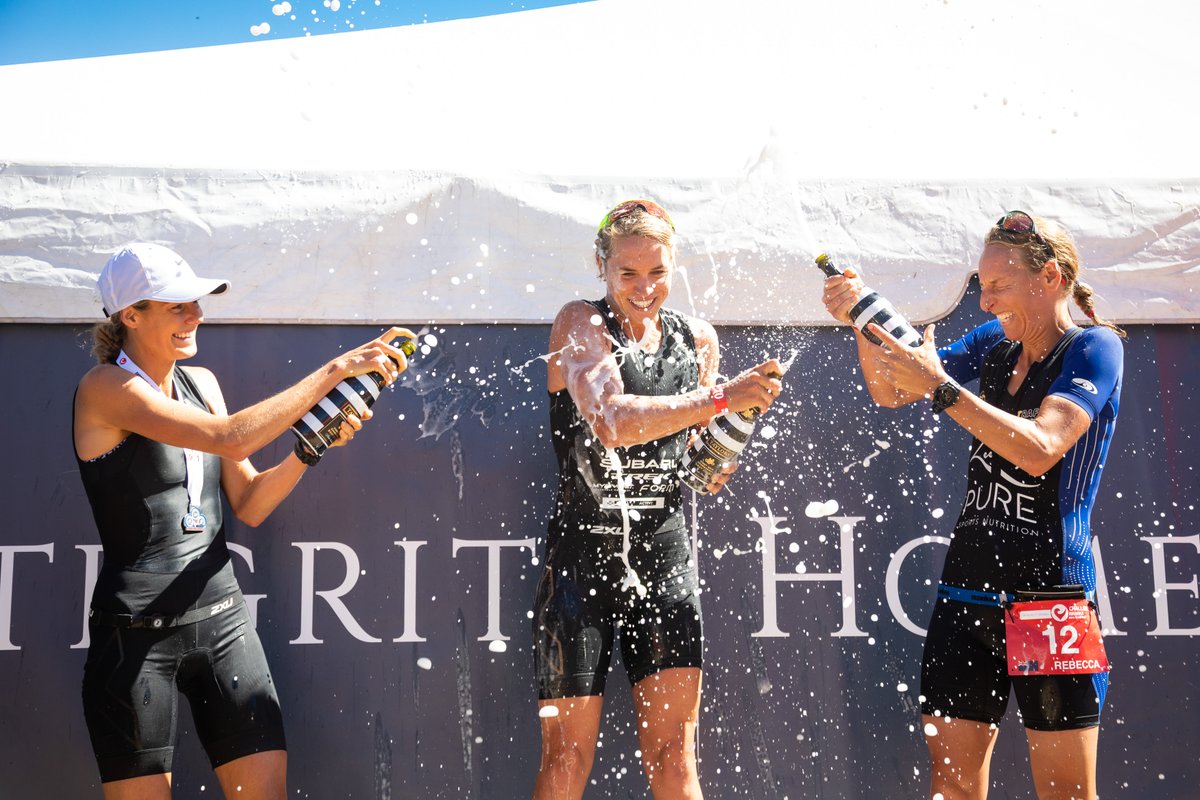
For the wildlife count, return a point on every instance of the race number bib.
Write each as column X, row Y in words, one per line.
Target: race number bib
column 1054, row 637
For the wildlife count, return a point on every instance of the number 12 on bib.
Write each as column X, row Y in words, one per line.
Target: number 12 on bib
column 1054, row 637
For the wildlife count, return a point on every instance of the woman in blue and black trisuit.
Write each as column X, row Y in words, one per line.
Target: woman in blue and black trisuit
column 157, row 451
column 627, row 379
column 1042, row 421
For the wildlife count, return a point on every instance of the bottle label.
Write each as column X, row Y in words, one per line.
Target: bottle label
column 720, row 443
column 724, row 442
column 714, row 447
column 698, row 472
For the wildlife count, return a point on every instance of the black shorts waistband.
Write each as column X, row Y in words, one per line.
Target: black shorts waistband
column 159, row 621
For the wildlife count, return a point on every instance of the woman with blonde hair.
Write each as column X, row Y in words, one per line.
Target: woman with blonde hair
column 628, row 381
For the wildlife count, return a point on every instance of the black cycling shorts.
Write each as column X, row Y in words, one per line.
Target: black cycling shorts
column 130, row 700
column 964, row 675
column 580, row 604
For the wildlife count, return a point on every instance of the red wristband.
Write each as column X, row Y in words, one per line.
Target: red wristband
column 720, row 404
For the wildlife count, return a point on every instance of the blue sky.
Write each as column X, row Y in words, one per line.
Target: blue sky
column 50, row 30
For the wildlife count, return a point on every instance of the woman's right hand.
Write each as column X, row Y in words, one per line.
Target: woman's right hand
column 841, row 293
column 757, row 387
column 351, row 424
column 378, row 355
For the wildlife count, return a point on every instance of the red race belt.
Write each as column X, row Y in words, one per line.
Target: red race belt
column 1057, row 636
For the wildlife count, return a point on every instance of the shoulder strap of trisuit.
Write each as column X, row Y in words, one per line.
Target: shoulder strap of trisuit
column 997, row 369
column 610, row 320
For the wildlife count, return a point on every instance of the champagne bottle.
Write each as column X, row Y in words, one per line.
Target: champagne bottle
column 718, row 444
column 317, row 429
column 873, row 307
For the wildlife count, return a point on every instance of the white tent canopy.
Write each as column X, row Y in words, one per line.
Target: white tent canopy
column 456, row 171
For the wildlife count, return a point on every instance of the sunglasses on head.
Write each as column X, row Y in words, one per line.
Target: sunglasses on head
column 1021, row 223
column 624, row 209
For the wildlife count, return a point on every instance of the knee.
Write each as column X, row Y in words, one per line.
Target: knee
column 567, row 761
column 672, row 762
column 959, row 778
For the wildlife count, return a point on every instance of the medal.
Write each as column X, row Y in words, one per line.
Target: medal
column 194, row 521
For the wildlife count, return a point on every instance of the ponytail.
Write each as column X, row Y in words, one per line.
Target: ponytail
column 1082, row 294
column 108, row 337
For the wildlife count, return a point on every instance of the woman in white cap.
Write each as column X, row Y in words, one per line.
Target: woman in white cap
column 156, row 447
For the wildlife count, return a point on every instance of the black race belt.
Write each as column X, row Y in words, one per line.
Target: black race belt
column 159, row 621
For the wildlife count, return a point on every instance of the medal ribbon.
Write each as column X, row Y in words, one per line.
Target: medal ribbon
column 193, row 459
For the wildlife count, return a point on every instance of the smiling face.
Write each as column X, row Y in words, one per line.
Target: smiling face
column 638, row 274
column 163, row 331
column 1024, row 301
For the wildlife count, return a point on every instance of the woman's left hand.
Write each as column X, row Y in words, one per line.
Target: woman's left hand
column 352, row 425
column 916, row 370
column 721, row 477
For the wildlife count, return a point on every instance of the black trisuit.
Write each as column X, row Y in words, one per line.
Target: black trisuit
column 154, row 573
column 580, row 601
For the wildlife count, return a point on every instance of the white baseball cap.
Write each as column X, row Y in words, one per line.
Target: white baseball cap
column 145, row 271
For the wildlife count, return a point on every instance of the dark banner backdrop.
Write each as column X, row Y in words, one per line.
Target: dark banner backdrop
column 392, row 589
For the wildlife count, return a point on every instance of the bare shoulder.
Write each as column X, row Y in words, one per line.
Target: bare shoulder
column 702, row 331
column 102, row 380
column 578, row 320
column 210, row 390
column 103, row 390
column 578, row 340
column 575, row 314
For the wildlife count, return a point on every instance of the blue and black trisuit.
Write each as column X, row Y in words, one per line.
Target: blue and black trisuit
column 1020, row 532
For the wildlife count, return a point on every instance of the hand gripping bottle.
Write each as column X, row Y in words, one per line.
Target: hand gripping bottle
column 719, row 443
column 874, row 308
column 317, row 429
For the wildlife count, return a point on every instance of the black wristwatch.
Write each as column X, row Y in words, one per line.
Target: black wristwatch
column 945, row 396
column 306, row 456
